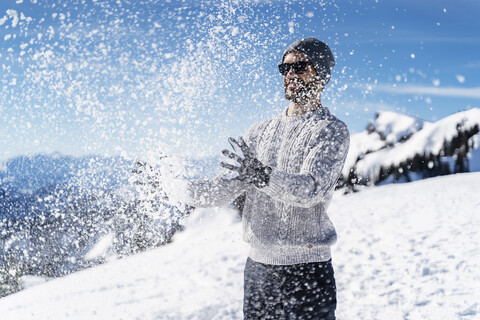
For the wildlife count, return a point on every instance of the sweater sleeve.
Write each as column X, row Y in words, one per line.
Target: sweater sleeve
column 215, row 192
column 319, row 172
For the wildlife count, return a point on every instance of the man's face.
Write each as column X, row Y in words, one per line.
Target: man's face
column 301, row 86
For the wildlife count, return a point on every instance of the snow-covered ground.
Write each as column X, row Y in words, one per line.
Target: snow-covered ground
column 405, row 251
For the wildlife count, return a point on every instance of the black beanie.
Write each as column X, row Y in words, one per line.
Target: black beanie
column 318, row 53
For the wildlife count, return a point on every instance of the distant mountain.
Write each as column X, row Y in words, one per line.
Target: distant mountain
column 28, row 174
column 55, row 209
column 399, row 148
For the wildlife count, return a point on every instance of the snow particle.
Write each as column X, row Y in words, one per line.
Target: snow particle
column 291, row 24
column 412, row 55
column 460, row 78
column 14, row 16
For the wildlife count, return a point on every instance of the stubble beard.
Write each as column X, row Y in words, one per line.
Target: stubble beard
column 303, row 93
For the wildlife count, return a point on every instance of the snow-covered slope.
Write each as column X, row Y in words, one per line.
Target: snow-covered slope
column 386, row 129
column 405, row 251
column 393, row 141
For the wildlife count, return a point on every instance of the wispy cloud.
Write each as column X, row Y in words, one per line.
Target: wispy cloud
column 433, row 39
column 429, row 90
column 409, row 39
column 475, row 64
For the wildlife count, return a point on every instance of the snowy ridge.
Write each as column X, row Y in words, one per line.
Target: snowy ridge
column 415, row 259
column 394, row 127
column 393, row 140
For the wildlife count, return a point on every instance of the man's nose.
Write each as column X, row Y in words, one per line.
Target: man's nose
column 291, row 74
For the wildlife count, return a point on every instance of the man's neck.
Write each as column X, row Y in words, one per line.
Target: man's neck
column 303, row 107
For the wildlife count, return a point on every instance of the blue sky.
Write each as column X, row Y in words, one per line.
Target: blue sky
column 140, row 78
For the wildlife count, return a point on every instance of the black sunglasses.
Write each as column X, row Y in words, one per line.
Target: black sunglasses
column 299, row 67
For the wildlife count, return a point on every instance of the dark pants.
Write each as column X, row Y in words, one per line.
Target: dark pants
column 292, row 292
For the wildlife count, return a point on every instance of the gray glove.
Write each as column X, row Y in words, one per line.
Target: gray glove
column 249, row 168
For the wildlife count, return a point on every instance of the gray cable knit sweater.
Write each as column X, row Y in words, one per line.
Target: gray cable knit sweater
column 287, row 222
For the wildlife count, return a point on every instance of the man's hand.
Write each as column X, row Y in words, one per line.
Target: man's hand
column 249, row 168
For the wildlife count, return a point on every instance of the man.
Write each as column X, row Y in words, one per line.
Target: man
column 287, row 167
